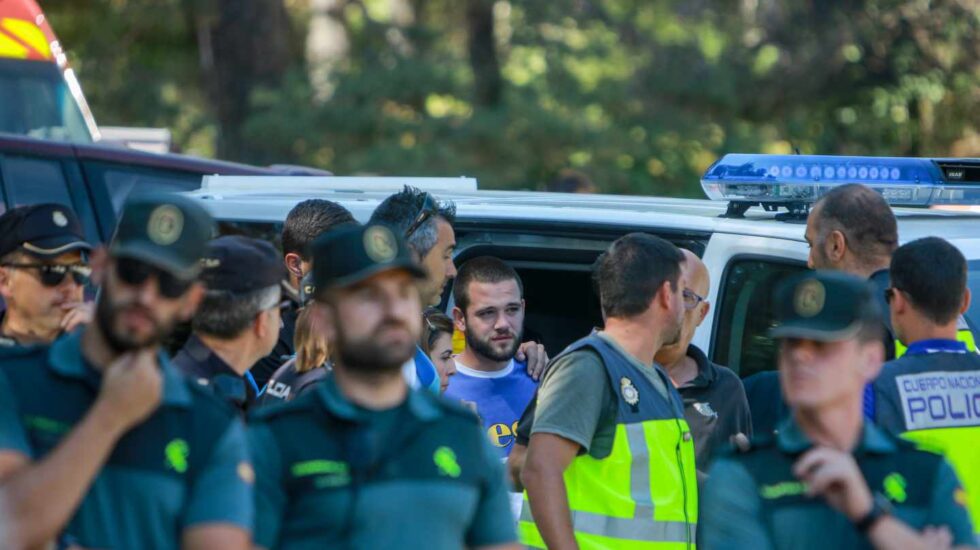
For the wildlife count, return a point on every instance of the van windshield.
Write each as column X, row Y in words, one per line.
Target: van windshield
column 35, row 101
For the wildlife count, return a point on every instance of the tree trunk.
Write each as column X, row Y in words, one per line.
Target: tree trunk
column 487, row 81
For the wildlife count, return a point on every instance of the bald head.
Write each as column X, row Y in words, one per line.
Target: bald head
column 696, row 273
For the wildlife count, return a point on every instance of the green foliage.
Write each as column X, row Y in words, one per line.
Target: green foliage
column 640, row 95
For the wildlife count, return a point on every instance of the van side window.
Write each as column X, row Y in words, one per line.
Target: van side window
column 745, row 314
column 120, row 180
column 31, row 180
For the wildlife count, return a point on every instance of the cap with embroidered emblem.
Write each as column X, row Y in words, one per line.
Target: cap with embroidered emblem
column 165, row 230
column 824, row 306
column 43, row 230
column 346, row 256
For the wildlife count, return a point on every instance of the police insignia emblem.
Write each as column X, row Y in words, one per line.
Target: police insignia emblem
column 809, row 298
column 165, row 225
column 379, row 243
column 630, row 394
column 59, row 218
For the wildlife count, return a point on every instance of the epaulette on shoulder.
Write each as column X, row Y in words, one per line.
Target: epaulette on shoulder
column 203, row 394
column 17, row 353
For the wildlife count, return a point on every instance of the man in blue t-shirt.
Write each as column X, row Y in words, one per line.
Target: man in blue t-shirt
column 489, row 312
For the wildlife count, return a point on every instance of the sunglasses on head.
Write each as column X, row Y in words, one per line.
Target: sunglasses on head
column 429, row 208
column 52, row 275
column 135, row 272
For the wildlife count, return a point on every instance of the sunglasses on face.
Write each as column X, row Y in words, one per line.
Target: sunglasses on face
column 691, row 299
column 429, row 208
column 135, row 273
column 52, row 275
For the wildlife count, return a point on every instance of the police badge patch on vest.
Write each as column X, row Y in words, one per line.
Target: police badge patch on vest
column 629, row 391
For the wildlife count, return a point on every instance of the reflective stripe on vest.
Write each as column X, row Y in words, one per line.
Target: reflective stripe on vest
column 644, row 494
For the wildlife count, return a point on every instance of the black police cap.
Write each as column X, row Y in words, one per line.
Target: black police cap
column 346, row 256
column 240, row 265
column 166, row 230
column 826, row 306
column 43, row 230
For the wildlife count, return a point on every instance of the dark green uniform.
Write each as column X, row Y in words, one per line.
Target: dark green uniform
column 334, row 475
column 753, row 500
column 185, row 465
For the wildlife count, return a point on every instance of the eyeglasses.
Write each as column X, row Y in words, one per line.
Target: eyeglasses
column 134, row 272
column 52, row 275
column 691, row 300
column 429, row 208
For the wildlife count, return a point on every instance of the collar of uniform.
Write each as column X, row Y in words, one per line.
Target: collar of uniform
column 338, row 405
column 706, row 369
column 65, row 358
column 209, row 363
column 791, row 439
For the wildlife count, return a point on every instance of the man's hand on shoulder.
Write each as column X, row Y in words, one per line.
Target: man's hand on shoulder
column 536, row 358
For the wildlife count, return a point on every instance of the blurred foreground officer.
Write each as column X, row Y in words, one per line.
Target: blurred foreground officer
column 238, row 320
column 610, row 463
column 102, row 439
column 362, row 461
column 932, row 393
column 829, row 478
column 43, row 272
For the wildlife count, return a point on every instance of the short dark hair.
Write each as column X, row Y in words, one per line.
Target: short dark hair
column 225, row 315
column 933, row 273
column 308, row 220
column 485, row 269
column 400, row 211
column 863, row 216
column 434, row 323
column 629, row 274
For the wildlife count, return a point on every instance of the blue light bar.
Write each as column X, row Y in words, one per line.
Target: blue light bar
column 804, row 178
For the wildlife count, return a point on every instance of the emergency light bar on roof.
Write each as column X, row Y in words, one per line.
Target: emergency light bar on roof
column 222, row 185
column 795, row 181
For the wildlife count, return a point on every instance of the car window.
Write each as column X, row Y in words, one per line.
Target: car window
column 973, row 282
column 120, row 180
column 745, row 316
column 30, row 180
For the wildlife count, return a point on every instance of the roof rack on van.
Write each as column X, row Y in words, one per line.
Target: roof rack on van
column 795, row 182
column 219, row 185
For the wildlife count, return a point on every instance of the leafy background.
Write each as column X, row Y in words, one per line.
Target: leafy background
column 639, row 95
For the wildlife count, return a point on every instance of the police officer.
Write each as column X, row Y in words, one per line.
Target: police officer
column 932, row 393
column 609, row 439
column 362, row 460
column 43, row 272
column 238, row 320
column 304, row 223
column 101, row 439
column 829, row 478
column 310, row 365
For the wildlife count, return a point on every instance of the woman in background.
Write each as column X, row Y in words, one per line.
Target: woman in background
column 437, row 343
column 306, row 368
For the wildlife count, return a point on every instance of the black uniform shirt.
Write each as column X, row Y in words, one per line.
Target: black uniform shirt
column 715, row 407
column 198, row 362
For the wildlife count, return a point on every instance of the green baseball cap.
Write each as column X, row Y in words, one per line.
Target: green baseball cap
column 168, row 231
column 827, row 306
column 346, row 256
